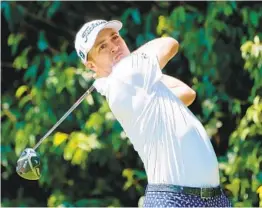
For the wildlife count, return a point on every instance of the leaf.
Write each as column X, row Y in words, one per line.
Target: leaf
column 259, row 191
column 244, row 13
column 13, row 41
column 236, row 109
column 136, row 16
column 256, row 40
column 42, row 42
column 70, row 72
column 42, row 78
column 56, row 198
column 72, row 58
column 234, row 186
column 259, row 178
column 127, row 185
column 21, row 90
column 95, row 121
column 116, row 143
column 8, row 14
column 31, row 72
column 21, row 61
column 70, row 149
column 104, row 108
column 21, row 141
column 82, row 203
column 228, row 10
column 150, row 36
column 182, row 14
column 140, row 40
column 59, row 138
column 125, row 15
column 53, row 9
column 141, row 175
column 148, row 23
column 233, row 4
column 24, row 100
column 244, row 185
column 48, row 63
column 90, row 203
column 5, row 149
column 128, row 173
column 254, row 18
column 89, row 142
column 178, row 15
column 79, row 157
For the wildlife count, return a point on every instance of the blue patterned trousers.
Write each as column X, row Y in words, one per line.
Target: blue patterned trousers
column 172, row 199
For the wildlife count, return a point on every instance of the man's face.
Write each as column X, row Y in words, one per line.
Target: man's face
column 109, row 48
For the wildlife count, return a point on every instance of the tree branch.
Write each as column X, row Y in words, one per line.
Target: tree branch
column 7, row 64
column 51, row 24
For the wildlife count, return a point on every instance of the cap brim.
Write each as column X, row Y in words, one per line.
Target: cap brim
column 115, row 24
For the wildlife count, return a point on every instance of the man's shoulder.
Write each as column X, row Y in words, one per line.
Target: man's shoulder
column 133, row 61
column 144, row 51
column 134, row 55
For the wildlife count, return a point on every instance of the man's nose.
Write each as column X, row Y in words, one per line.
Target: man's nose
column 114, row 48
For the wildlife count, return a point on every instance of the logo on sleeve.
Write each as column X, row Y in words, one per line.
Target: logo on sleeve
column 144, row 55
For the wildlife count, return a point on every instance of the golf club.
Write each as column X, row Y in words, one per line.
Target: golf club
column 28, row 164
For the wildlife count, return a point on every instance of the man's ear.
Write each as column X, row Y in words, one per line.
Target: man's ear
column 90, row 65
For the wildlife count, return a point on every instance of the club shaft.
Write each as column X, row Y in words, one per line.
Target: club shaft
column 64, row 116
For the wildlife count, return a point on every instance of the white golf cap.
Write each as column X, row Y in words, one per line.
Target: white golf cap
column 86, row 36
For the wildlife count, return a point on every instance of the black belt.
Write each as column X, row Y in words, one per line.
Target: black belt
column 202, row 192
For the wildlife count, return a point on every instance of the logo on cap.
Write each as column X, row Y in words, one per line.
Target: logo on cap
column 90, row 28
column 81, row 54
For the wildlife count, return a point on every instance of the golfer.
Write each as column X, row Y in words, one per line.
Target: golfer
column 178, row 157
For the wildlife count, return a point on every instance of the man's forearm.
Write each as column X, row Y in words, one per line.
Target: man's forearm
column 186, row 94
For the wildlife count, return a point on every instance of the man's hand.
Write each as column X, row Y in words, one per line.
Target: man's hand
column 165, row 48
column 186, row 94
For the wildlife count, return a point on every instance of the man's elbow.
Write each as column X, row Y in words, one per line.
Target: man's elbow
column 191, row 96
column 173, row 47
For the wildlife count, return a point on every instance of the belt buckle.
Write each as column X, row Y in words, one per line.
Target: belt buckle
column 204, row 193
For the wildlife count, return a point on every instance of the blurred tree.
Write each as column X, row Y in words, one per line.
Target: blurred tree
column 88, row 161
column 244, row 159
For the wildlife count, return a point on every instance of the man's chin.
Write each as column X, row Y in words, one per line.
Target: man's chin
column 121, row 57
column 117, row 61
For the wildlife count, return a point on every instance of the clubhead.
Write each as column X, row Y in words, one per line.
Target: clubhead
column 28, row 165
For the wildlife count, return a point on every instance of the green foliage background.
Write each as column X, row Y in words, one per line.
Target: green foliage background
column 88, row 161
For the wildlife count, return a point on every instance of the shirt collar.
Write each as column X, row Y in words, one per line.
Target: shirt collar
column 101, row 85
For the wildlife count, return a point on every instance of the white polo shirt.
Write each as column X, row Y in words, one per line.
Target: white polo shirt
column 171, row 142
